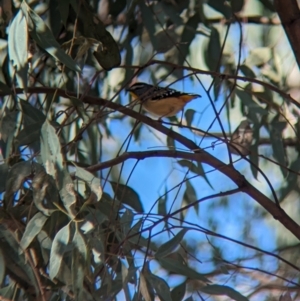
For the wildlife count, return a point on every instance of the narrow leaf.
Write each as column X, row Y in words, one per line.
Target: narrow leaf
column 93, row 182
column 176, row 266
column 2, row 267
column 127, row 195
column 169, row 246
column 178, row 292
column 18, row 47
column 41, row 33
column 223, row 290
column 161, row 287
column 58, row 249
column 32, row 229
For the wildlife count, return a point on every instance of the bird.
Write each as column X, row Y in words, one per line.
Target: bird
column 160, row 101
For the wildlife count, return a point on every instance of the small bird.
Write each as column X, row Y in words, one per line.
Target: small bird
column 159, row 101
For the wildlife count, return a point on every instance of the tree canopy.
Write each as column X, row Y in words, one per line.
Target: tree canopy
column 100, row 200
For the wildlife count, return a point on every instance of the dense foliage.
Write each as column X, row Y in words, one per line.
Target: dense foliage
column 100, row 200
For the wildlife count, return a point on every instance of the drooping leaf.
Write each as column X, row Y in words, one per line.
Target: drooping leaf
column 237, row 5
column 127, row 195
column 249, row 101
column 33, row 227
column 177, row 266
column 2, row 267
column 189, row 116
column 143, row 289
column 17, row 175
column 213, row 50
column 178, row 292
column 17, row 47
column 43, row 36
column 161, row 287
column 33, row 114
column 190, row 195
column 223, row 290
column 108, row 53
column 93, row 182
column 8, row 124
column 168, row 247
column 29, row 134
column 220, row 7
column 45, row 193
column 54, row 165
column 58, row 249
column 276, row 128
column 63, row 7
column 3, row 176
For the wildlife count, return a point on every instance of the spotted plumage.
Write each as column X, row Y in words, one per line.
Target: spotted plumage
column 162, row 102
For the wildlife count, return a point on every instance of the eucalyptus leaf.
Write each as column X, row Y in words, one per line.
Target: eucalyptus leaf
column 17, row 47
column 223, row 290
column 58, row 249
column 33, row 227
column 43, row 36
column 166, row 248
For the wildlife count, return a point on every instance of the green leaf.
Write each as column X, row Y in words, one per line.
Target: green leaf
column 247, row 99
column 41, row 33
column 2, row 267
column 8, row 292
column 127, row 195
column 197, row 169
column 126, row 221
column 33, row 114
column 170, row 143
column 63, row 7
column 53, row 161
column 176, row 266
column 4, row 89
column 50, row 150
column 17, row 175
column 3, row 176
column 33, row 228
column 170, row 245
column 190, row 165
column 80, row 244
column 178, row 292
column 143, row 288
column 45, row 193
column 223, row 290
column 148, row 22
column 247, row 71
column 190, row 195
column 107, row 53
column 161, row 287
column 276, row 128
column 93, row 182
column 220, row 7
column 162, row 204
column 17, row 47
column 237, row 5
column 97, row 248
column 213, row 50
column 29, row 134
column 8, row 124
column 59, row 247
column 80, row 109
column 189, row 116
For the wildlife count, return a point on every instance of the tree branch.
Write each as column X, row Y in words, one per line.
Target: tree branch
column 199, row 155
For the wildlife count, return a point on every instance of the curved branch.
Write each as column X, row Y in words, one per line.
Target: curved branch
column 198, row 154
